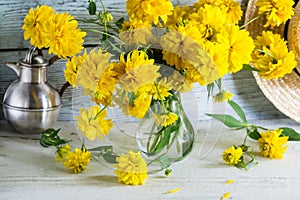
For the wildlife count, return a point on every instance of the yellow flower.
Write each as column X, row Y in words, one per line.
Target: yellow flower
column 165, row 119
column 179, row 82
column 97, row 76
column 277, row 11
column 233, row 11
column 220, row 55
column 180, row 45
column 77, row 161
column 131, row 169
column 139, row 70
column 92, row 122
column 149, row 10
column 209, row 19
column 271, row 144
column 272, row 58
column 62, row 152
column 136, row 32
column 160, row 90
column 65, row 39
column 34, row 25
column 178, row 15
column 232, row 155
column 72, row 67
column 222, row 96
column 239, row 45
column 140, row 106
column 106, row 17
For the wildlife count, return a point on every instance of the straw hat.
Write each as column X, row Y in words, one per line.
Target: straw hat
column 284, row 92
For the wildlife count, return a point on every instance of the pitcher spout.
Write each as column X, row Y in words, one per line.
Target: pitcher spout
column 14, row 66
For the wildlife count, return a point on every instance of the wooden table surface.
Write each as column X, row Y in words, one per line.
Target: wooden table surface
column 28, row 171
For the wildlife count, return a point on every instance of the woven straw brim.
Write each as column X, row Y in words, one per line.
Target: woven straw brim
column 284, row 92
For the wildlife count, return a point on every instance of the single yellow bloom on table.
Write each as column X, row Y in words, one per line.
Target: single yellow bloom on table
column 77, row 161
column 277, row 11
column 62, row 152
column 131, row 169
column 272, row 145
column 232, row 155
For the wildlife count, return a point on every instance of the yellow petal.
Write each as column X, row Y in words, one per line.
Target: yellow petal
column 226, row 196
column 230, row 181
column 173, row 191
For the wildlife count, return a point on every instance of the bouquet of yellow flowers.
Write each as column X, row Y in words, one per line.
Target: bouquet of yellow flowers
column 146, row 61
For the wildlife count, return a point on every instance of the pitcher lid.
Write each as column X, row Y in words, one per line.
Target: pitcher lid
column 33, row 59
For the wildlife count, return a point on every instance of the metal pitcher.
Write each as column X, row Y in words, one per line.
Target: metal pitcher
column 31, row 103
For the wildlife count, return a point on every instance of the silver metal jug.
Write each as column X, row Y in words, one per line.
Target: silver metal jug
column 31, row 103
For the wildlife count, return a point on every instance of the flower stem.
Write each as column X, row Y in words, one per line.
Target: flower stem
column 250, row 21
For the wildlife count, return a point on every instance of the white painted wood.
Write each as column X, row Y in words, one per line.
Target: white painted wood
column 13, row 47
column 28, row 171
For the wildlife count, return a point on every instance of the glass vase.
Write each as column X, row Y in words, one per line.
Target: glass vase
column 164, row 144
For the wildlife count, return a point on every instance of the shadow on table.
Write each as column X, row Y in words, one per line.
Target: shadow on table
column 107, row 179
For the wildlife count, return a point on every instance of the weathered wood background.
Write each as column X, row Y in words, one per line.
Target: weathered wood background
column 13, row 47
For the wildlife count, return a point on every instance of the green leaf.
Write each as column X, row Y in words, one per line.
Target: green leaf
column 119, row 22
column 228, row 120
column 293, row 135
column 110, row 157
column 249, row 68
column 106, row 152
column 50, row 138
column 92, row 8
column 102, row 149
column 131, row 98
column 253, row 134
column 238, row 110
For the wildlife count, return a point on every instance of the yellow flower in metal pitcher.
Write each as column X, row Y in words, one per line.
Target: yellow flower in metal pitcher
column 66, row 39
column 277, row 11
column 34, row 25
column 149, row 10
column 273, row 145
column 131, row 169
column 165, row 119
column 62, row 152
column 232, row 155
column 92, row 122
column 77, row 161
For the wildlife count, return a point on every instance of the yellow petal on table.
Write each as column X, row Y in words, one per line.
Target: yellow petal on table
column 225, row 196
column 173, row 191
column 230, row 181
